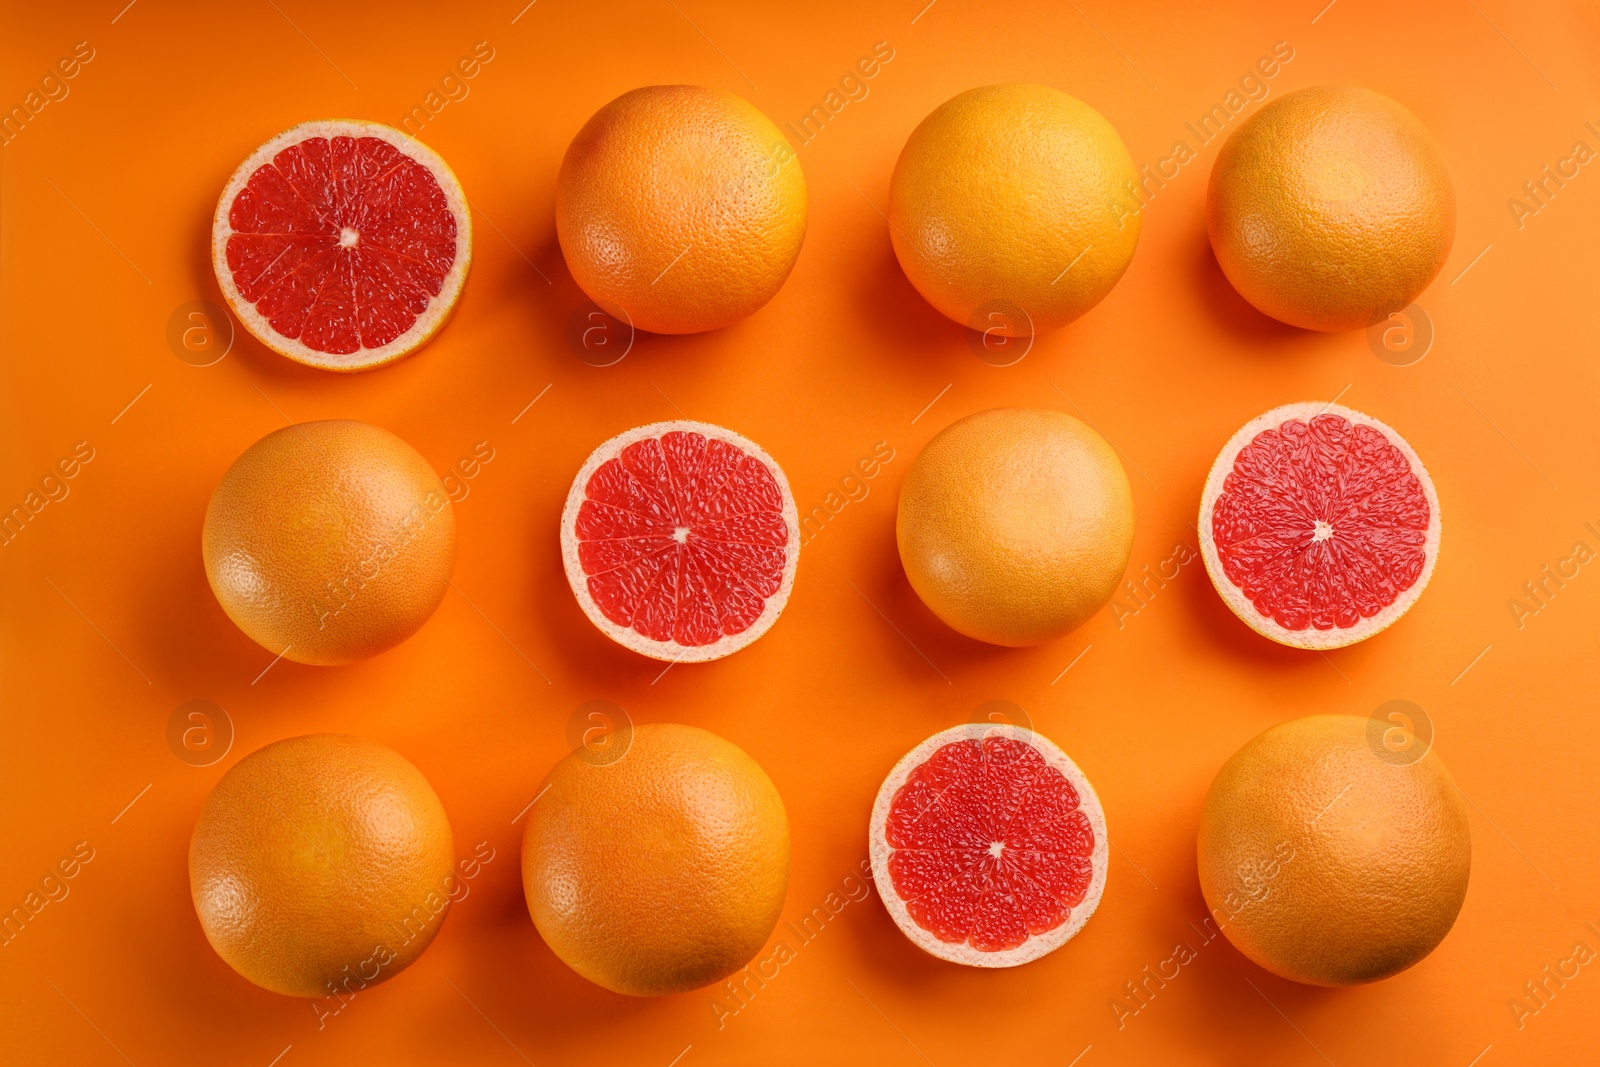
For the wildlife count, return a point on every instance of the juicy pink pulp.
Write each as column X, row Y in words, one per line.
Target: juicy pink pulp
column 341, row 243
column 990, row 846
column 682, row 538
column 1321, row 524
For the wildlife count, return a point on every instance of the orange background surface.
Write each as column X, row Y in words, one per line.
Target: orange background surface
column 109, row 624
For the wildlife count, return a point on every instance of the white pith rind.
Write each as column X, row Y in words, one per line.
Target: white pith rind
column 672, row 651
column 1234, row 597
column 878, row 849
column 439, row 308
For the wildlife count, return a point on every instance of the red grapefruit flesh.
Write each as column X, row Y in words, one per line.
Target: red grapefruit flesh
column 988, row 846
column 342, row 244
column 680, row 540
column 1319, row 525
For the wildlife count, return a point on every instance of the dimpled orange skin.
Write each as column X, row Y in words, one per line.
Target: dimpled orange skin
column 1330, row 208
column 1378, row 852
column 329, row 542
column 320, row 861
column 681, row 206
column 1015, row 525
column 1018, row 194
column 660, row 872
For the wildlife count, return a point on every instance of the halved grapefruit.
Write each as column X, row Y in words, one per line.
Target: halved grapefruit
column 1319, row 525
column 342, row 244
column 988, row 846
column 680, row 540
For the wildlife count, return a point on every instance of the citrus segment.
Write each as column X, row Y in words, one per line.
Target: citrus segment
column 988, row 846
column 342, row 244
column 680, row 540
column 1320, row 525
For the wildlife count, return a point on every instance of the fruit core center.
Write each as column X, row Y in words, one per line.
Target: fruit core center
column 680, row 534
column 996, row 847
column 348, row 237
column 1321, row 531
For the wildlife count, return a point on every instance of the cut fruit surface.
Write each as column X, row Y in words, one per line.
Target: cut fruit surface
column 342, row 244
column 988, row 846
column 680, row 540
column 1319, row 525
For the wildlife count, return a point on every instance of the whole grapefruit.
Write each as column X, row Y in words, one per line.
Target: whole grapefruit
column 660, row 867
column 321, row 865
column 1012, row 208
column 1015, row 525
column 327, row 542
column 1330, row 855
column 1330, row 208
column 680, row 208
